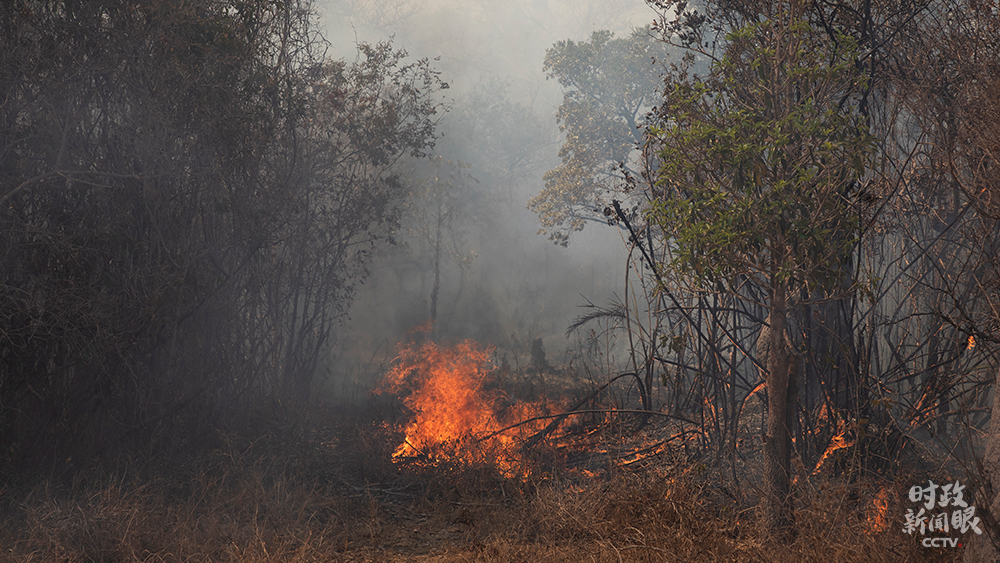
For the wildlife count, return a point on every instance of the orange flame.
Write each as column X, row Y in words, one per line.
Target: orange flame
column 454, row 415
column 837, row 442
column 878, row 514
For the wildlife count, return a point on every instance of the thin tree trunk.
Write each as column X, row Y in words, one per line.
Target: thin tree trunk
column 437, row 266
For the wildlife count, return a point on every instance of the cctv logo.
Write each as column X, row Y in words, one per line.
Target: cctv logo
column 962, row 519
column 940, row 542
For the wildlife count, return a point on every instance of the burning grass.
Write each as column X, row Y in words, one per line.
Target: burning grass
column 344, row 499
column 458, row 415
column 457, row 480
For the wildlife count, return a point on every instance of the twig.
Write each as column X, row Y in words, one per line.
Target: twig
column 533, row 441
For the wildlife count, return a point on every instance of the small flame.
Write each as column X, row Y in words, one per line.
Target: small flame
column 837, row 442
column 972, row 343
column 878, row 514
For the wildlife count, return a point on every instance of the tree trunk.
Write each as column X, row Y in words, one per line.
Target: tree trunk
column 437, row 266
column 777, row 507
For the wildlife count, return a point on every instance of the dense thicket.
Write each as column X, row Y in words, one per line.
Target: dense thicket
column 189, row 192
column 894, row 345
column 902, row 349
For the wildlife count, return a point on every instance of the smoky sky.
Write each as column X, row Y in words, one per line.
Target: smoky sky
column 500, row 282
column 479, row 40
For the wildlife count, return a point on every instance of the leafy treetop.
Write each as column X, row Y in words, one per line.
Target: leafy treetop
column 610, row 84
column 760, row 158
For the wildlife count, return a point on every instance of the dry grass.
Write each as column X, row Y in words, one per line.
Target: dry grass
column 252, row 507
column 229, row 514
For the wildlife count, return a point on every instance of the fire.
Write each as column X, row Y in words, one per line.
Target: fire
column 837, row 442
column 878, row 514
column 455, row 415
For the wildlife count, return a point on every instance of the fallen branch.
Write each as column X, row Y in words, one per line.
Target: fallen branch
column 534, row 440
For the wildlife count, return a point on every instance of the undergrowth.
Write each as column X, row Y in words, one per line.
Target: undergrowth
column 338, row 497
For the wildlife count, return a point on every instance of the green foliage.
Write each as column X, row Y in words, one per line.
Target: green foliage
column 759, row 160
column 609, row 86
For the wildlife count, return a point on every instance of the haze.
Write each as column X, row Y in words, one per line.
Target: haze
column 519, row 286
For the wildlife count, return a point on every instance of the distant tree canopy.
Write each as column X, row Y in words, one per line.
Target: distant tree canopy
column 188, row 193
column 610, row 84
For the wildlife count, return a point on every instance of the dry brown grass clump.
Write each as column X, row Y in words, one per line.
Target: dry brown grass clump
column 253, row 513
column 674, row 517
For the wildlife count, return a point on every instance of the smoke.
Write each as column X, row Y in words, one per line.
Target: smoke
column 467, row 250
column 479, row 42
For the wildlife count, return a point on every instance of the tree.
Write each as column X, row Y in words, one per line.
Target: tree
column 188, row 193
column 136, row 141
column 359, row 121
column 610, row 84
column 759, row 163
column 439, row 214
